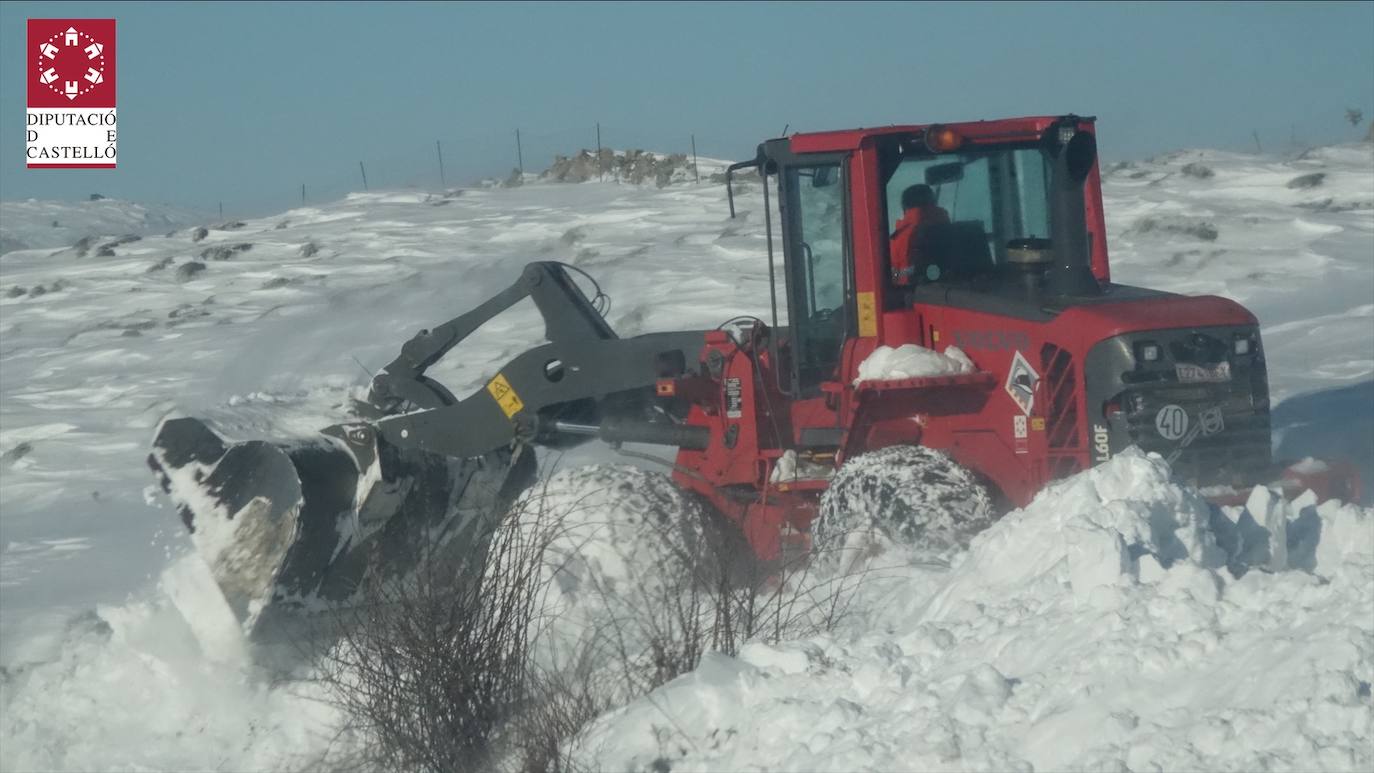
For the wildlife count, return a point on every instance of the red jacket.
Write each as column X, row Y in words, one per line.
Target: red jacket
column 912, row 221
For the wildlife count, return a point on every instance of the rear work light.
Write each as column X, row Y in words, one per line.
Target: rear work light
column 1123, row 405
column 1111, row 410
column 1147, row 351
column 1242, row 345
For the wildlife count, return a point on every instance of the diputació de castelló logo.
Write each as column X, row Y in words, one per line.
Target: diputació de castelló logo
column 71, row 119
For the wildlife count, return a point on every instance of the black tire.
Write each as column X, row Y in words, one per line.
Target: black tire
column 642, row 517
column 911, row 495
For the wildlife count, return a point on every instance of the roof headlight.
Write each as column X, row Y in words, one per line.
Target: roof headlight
column 940, row 139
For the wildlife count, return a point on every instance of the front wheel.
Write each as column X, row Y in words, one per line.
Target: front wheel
column 908, row 495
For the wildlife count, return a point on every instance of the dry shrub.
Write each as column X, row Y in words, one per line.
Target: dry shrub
column 490, row 666
column 431, row 667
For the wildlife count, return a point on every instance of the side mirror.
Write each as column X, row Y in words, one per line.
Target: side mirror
column 730, row 177
column 944, row 173
column 1081, row 152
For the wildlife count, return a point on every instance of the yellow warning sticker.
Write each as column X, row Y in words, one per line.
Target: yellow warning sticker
column 505, row 396
column 1037, row 423
column 868, row 315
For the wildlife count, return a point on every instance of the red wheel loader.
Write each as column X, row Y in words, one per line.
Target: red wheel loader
column 769, row 418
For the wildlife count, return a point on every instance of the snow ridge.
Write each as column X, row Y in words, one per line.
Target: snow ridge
column 1095, row 629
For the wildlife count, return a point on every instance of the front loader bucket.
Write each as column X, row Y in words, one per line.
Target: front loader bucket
column 292, row 527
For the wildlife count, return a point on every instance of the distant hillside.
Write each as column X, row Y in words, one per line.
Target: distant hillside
column 633, row 166
column 40, row 224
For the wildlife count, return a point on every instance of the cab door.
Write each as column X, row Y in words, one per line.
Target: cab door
column 818, row 268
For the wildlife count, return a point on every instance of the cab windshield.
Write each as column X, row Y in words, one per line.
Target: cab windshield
column 989, row 199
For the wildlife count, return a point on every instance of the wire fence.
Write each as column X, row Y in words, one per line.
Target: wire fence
column 460, row 161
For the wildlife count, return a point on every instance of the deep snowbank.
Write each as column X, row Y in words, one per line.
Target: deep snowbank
column 1098, row 628
column 163, row 683
column 1095, row 629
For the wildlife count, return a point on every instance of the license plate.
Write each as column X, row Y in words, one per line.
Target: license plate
column 1198, row 374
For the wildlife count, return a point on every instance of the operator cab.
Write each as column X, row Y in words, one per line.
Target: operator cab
column 1017, row 234
column 1016, row 215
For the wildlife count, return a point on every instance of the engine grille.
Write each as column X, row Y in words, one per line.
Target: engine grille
column 1225, row 437
column 1235, row 454
column 1064, row 435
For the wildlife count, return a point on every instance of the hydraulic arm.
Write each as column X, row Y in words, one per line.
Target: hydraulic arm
column 558, row 388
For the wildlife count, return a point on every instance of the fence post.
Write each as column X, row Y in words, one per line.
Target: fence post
column 440, row 149
column 696, row 168
column 221, row 210
column 302, row 193
column 600, row 172
column 363, row 169
column 519, row 154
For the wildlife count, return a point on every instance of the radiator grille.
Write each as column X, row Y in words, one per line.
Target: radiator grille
column 1064, row 436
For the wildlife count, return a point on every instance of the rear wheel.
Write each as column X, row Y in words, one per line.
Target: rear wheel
column 908, row 495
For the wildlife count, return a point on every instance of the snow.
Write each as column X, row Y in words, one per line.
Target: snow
column 887, row 363
column 613, row 554
column 1108, row 625
column 789, row 468
column 1096, row 629
column 170, row 668
column 35, row 224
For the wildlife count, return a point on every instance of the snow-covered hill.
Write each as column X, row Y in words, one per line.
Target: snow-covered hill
column 632, row 166
column 36, row 224
column 113, row 645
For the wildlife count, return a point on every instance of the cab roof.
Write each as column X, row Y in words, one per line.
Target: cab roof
column 1011, row 129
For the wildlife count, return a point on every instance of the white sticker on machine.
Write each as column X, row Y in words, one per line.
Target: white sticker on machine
column 1211, row 421
column 1171, row 422
column 734, row 399
column 1021, row 382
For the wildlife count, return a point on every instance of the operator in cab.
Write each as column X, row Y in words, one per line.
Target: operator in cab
column 919, row 211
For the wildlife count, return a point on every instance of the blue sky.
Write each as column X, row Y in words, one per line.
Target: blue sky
column 242, row 103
